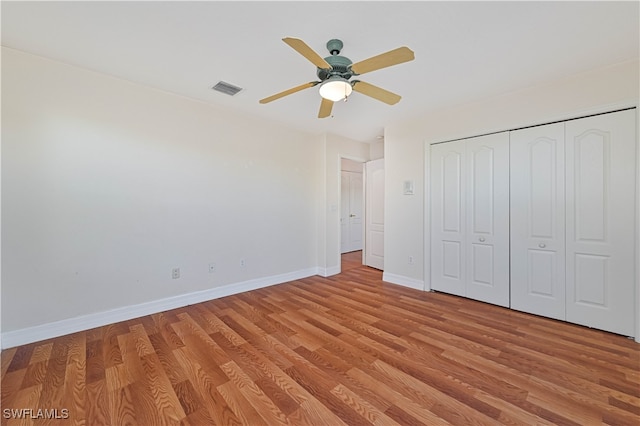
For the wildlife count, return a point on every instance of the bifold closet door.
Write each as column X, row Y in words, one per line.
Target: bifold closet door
column 538, row 220
column 573, row 221
column 600, row 231
column 448, row 218
column 487, row 216
column 470, row 218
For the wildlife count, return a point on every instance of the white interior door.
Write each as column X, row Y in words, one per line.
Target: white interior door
column 538, row 220
column 448, row 218
column 374, row 214
column 344, row 212
column 356, row 200
column 487, row 217
column 351, row 209
column 600, row 185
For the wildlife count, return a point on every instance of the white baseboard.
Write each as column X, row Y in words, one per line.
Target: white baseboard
column 403, row 281
column 37, row 333
column 327, row 272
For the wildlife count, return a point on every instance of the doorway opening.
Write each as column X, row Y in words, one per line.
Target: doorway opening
column 351, row 260
column 351, row 206
column 362, row 211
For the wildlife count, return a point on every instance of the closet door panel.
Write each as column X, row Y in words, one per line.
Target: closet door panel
column 600, row 221
column 537, row 220
column 448, row 218
column 488, row 218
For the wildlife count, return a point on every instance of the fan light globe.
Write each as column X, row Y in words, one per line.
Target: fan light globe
column 335, row 89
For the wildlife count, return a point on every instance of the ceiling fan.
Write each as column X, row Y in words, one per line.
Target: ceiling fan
column 335, row 72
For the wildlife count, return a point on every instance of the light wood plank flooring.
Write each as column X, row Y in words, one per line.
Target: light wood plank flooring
column 348, row 349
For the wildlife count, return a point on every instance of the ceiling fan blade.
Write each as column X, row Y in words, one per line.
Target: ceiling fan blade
column 393, row 57
column 288, row 92
column 376, row 92
column 325, row 108
column 302, row 48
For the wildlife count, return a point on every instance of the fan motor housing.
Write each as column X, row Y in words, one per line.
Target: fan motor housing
column 340, row 66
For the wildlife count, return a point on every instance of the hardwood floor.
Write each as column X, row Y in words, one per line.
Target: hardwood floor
column 351, row 260
column 348, row 349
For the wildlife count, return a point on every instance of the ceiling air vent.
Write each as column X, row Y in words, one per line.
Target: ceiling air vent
column 226, row 88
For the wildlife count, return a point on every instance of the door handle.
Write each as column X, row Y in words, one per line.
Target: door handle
column 542, row 245
column 481, row 239
column 352, row 215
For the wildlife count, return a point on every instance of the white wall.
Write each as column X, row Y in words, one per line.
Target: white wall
column 107, row 185
column 376, row 150
column 406, row 145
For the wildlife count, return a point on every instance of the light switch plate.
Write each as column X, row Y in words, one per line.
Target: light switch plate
column 408, row 187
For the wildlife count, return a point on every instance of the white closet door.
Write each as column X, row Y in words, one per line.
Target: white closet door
column 448, row 217
column 538, row 221
column 601, row 175
column 470, row 218
column 487, row 218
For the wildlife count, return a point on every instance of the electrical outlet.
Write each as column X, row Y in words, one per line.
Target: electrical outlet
column 212, row 268
column 243, row 263
column 175, row 273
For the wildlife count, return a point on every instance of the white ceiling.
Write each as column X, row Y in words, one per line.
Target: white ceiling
column 465, row 51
